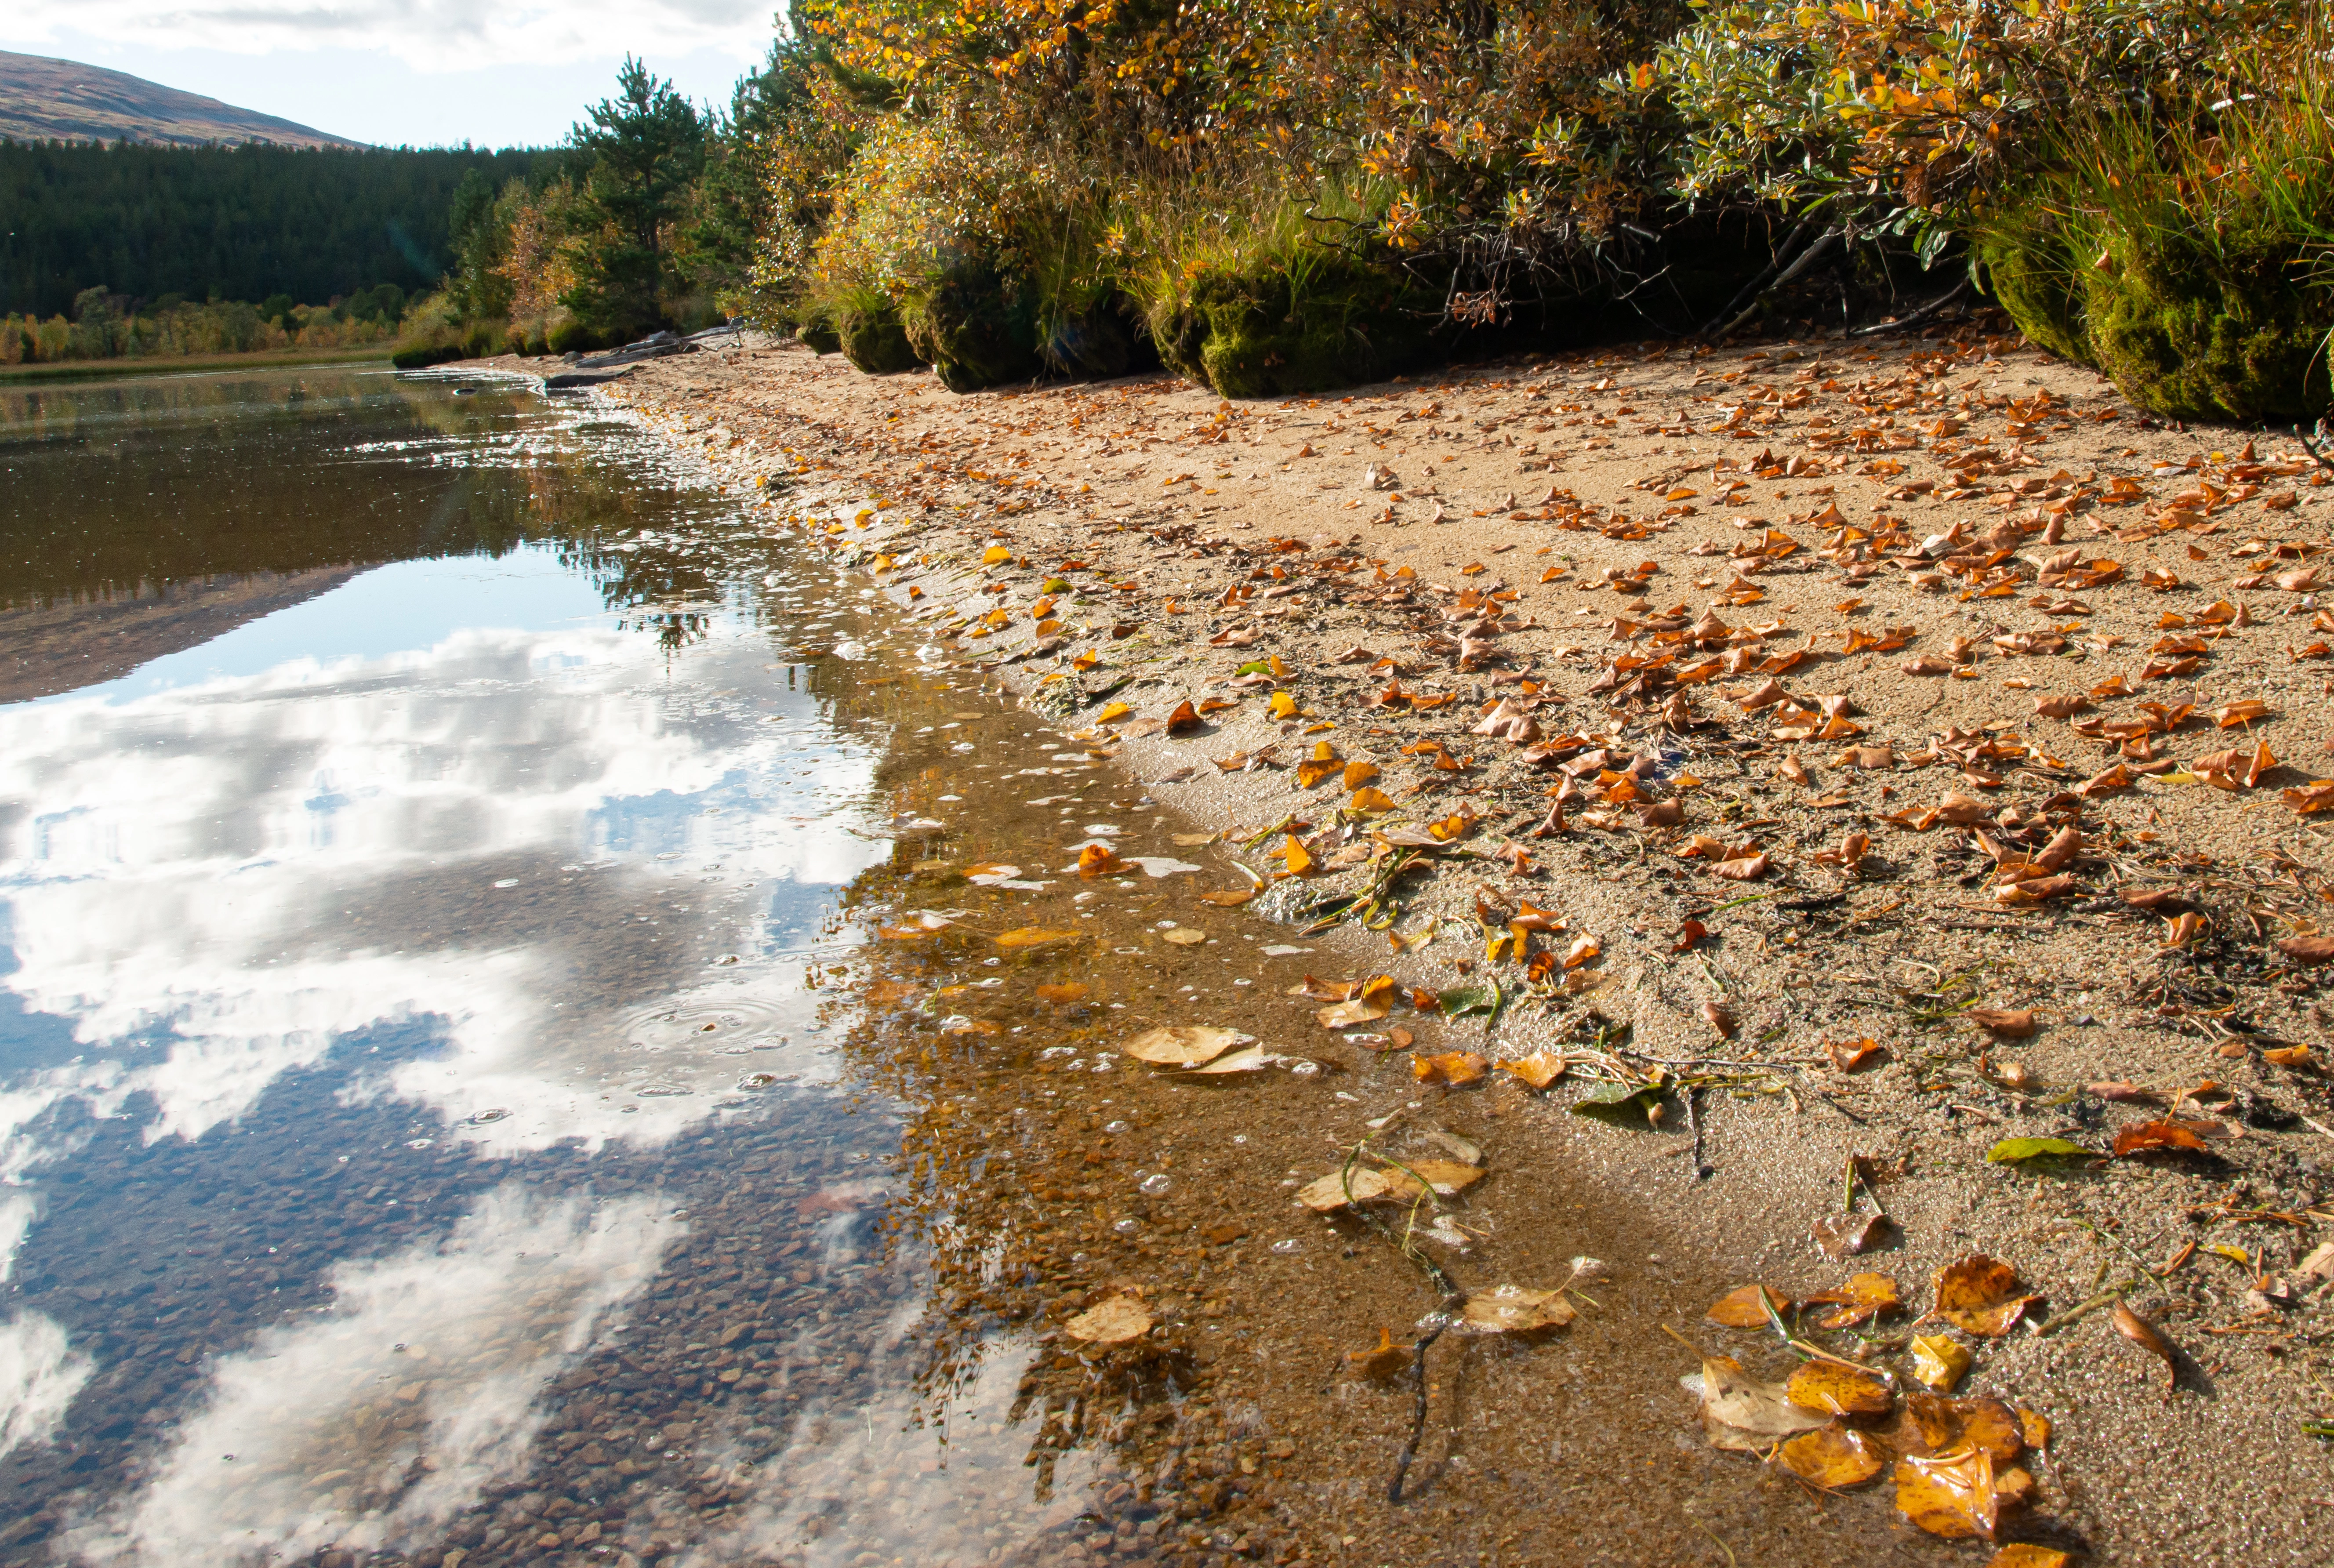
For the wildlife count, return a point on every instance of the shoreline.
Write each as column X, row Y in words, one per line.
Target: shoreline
column 152, row 365
column 1839, row 962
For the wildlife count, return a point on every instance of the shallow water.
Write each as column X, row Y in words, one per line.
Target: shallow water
column 500, row 1060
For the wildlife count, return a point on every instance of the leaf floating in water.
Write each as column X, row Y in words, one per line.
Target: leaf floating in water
column 1949, row 1494
column 1746, row 1307
column 1863, row 1297
column 1228, row 900
column 1184, row 937
column 1033, row 936
column 1451, row 1067
column 1373, row 1002
column 2026, row 1555
column 1840, row 1236
column 1511, row 1309
column 915, row 926
column 1063, row 995
column 1113, row 1322
column 1741, row 1413
column 1539, row 1069
column 1832, row 1458
column 1838, row 1390
column 1187, row 1046
column 1981, row 1296
column 1939, row 1361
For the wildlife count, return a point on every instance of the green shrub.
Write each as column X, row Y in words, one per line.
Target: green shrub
column 1300, row 322
column 421, row 356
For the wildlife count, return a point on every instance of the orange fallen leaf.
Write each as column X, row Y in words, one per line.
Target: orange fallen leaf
column 2010, row 1023
column 1950, row 1495
column 1539, row 1069
column 1832, row 1458
column 1981, row 1296
column 1838, row 1390
column 1063, row 995
column 1099, row 860
column 1451, row 1067
column 1033, row 936
column 1863, row 1297
column 2142, row 1137
column 1740, row 1308
column 2142, row 1334
column 1849, row 1055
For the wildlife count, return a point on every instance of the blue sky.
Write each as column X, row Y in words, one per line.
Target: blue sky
column 425, row 72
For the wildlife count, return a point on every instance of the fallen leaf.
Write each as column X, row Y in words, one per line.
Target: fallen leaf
column 2142, row 1334
column 1633, row 1105
column 1063, row 995
column 1849, row 1055
column 2026, row 1555
column 1980, row 1295
column 1741, row 1308
column 2307, row 950
column 1033, row 936
column 2041, row 1151
column 1188, row 1045
column 1840, row 1236
column 1099, row 860
column 1512, row 1309
column 2010, row 1023
column 1863, row 1297
column 1950, row 1494
column 1838, row 1390
column 2142, row 1137
column 1832, row 1458
column 1113, row 1322
column 1939, row 1361
column 1539, row 1069
column 1356, row 1184
column 1451, row 1067
column 1231, row 898
column 1741, row 1413
column 1185, row 937
column 1373, row 1002
column 1370, row 800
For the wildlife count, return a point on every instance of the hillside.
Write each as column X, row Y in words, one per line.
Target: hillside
column 44, row 99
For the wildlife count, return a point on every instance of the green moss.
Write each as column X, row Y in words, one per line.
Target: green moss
column 2237, row 335
column 2031, row 272
column 977, row 326
column 820, row 337
column 875, row 342
column 1301, row 324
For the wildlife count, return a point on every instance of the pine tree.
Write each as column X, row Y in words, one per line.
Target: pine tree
column 646, row 146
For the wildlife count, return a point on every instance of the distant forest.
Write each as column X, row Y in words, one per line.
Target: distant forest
column 228, row 223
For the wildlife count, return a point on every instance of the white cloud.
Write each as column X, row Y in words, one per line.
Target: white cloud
column 338, row 1437
column 40, row 1374
column 434, row 36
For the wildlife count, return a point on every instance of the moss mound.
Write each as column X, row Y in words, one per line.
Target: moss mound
column 978, row 327
column 2227, row 326
column 1299, row 325
column 876, row 341
column 2235, row 336
column 820, row 337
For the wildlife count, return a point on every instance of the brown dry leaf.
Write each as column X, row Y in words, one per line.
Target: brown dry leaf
column 1865, row 1295
column 1184, row 935
column 1099, row 860
column 2307, row 950
column 1113, row 1322
column 2010, row 1023
column 1447, row 1177
column 1981, row 1296
column 1063, row 995
column 1840, row 1236
column 883, row 993
column 1838, row 1390
column 1832, row 1458
column 1740, row 1308
column 1950, row 1494
column 1186, row 717
column 1032, row 937
column 1939, row 1361
column 1370, row 800
column 1741, row 1413
column 2141, row 1136
column 1231, row 898
column 2034, row 1429
column 2141, row 1332
column 1512, row 1309
column 1539, row 1069
column 1451, row 1067
column 1741, row 868
column 1364, row 1184
column 1185, row 1046
column 1849, row 1055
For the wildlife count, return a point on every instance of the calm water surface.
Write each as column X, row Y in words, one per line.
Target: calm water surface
column 432, row 840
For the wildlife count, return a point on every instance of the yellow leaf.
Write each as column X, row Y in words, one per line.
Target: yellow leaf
column 996, row 555
column 1371, row 800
